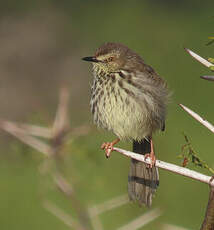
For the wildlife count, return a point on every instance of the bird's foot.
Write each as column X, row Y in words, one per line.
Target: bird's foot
column 152, row 159
column 108, row 147
column 151, row 155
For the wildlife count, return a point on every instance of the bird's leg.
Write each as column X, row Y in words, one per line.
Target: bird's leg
column 151, row 155
column 108, row 147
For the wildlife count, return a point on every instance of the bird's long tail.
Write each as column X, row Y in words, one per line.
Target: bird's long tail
column 142, row 181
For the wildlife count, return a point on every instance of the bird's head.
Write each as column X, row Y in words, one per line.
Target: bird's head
column 113, row 57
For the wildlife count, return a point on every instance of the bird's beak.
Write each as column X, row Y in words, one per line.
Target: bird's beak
column 91, row 59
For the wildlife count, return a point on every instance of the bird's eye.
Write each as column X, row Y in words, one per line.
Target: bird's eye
column 109, row 59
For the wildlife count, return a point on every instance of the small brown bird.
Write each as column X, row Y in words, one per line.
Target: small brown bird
column 129, row 98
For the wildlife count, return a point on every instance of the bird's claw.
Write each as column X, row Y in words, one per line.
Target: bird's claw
column 152, row 160
column 108, row 147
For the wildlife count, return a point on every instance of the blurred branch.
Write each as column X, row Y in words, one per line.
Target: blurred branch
column 21, row 134
column 67, row 190
column 108, row 205
column 142, row 220
column 61, row 123
column 95, row 220
column 63, row 185
column 87, row 217
column 170, row 167
column 56, row 134
column 25, row 133
column 198, row 118
column 172, row 227
column 26, row 129
column 36, row 130
column 81, row 130
column 60, row 214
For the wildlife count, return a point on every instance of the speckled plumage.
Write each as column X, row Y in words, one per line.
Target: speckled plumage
column 131, row 101
column 129, row 98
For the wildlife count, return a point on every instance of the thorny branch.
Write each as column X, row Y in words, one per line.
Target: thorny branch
column 208, row 223
column 198, row 118
column 168, row 166
column 57, row 137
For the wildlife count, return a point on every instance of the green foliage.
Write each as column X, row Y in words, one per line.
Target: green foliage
column 211, row 41
column 211, row 59
column 189, row 155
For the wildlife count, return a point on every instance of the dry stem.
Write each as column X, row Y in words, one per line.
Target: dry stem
column 168, row 166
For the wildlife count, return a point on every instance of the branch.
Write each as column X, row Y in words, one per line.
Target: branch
column 170, row 167
column 209, row 216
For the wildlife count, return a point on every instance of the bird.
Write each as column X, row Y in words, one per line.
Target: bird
column 129, row 99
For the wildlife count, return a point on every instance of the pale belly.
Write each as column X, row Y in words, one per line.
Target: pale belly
column 120, row 113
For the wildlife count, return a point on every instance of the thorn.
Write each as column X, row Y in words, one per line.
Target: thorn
column 199, row 58
column 209, row 78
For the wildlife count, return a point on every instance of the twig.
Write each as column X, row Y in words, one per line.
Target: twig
column 26, row 129
column 142, row 220
column 36, row 130
column 63, row 185
column 199, row 58
column 67, row 190
column 198, row 118
column 170, row 167
column 40, row 146
column 61, row 123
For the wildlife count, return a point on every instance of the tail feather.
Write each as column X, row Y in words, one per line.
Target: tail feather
column 142, row 181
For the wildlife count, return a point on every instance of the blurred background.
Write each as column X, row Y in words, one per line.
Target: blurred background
column 41, row 45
